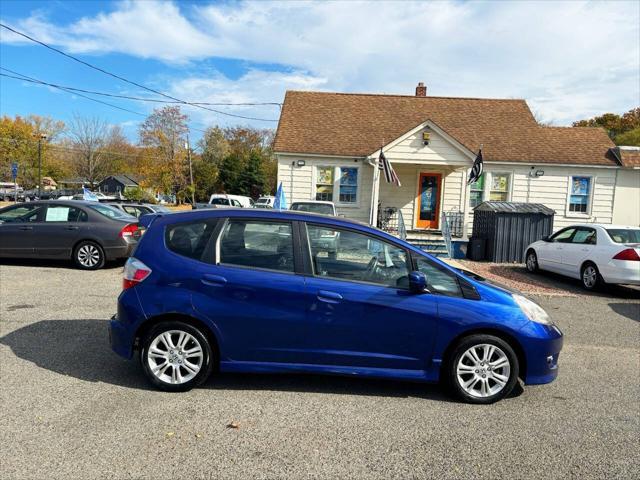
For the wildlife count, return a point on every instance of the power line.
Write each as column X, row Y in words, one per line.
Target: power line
column 128, row 97
column 131, row 82
column 25, row 78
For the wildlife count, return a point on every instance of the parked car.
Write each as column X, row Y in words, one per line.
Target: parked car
column 222, row 200
column 315, row 206
column 327, row 239
column 265, row 202
column 248, row 291
column 99, row 195
column 594, row 253
column 89, row 233
column 139, row 209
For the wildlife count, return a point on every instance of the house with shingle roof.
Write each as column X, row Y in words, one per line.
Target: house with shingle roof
column 328, row 144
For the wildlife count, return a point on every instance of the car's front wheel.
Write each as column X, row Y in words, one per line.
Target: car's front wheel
column 88, row 255
column 483, row 369
column 176, row 356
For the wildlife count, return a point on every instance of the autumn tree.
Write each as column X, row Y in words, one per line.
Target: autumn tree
column 616, row 126
column 165, row 132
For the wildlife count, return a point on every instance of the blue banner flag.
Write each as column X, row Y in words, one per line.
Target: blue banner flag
column 280, row 202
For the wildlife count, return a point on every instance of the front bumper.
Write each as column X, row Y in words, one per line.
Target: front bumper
column 542, row 345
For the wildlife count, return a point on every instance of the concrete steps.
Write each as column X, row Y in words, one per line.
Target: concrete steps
column 431, row 241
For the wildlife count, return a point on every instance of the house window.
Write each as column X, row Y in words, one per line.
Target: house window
column 324, row 184
column 499, row 187
column 477, row 192
column 348, row 185
column 580, row 191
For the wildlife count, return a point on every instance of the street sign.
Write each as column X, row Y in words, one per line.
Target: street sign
column 14, row 170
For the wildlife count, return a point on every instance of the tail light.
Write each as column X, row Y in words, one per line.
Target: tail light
column 134, row 272
column 130, row 231
column 628, row 254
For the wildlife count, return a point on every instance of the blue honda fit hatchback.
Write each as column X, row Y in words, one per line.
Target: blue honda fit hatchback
column 259, row 291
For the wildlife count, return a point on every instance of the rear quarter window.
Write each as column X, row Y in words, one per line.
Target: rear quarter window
column 190, row 239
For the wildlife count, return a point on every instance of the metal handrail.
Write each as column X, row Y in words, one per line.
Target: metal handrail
column 446, row 234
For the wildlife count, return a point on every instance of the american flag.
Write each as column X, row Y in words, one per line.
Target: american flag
column 390, row 174
column 476, row 169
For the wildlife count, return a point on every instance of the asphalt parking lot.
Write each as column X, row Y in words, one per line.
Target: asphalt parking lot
column 70, row 408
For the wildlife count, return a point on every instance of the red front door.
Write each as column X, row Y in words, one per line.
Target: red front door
column 428, row 215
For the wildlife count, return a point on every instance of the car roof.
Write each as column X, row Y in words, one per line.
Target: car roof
column 268, row 214
column 319, row 202
column 602, row 225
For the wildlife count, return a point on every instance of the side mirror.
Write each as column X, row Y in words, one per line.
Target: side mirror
column 545, row 238
column 417, row 282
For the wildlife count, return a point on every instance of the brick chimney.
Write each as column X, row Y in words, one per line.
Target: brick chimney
column 421, row 90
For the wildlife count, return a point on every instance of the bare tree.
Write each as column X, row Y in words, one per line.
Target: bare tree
column 89, row 136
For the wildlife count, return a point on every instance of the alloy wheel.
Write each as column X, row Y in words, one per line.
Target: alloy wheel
column 88, row 255
column 589, row 276
column 483, row 370
column 175, row 357
column 531, row 262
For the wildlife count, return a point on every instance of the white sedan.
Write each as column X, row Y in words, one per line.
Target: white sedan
column 593, row 253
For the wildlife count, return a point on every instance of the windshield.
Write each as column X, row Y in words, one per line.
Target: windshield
column 624, row 235
column 323, row 208
column 111, row 212
column 263, row 200
column 219, row 201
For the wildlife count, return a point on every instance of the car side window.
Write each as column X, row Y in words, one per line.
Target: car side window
column 257, row 244
column 131, row 210
column 19, row 213
column 189, row 239
column 563, row 236
column 439, row 279
column 585, row 236
column 235, row 203
column 62, row 213
column 353, row 256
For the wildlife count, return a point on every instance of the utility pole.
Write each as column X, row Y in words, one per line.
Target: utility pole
column 41, row 137
column 193, row 193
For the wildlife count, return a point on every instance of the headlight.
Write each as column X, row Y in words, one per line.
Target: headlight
column 532, row 310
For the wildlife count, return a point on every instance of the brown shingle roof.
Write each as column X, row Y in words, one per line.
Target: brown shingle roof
column 629, row 158
column 357, row 124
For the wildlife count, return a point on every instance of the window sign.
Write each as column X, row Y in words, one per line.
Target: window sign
column 579, row 196
column 57, row 214
column 476, row 196
column 499, row 187
column 348, row 185
column 324, row 184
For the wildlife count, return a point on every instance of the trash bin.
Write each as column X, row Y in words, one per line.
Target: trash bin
column 476, row 248
column 508, row 227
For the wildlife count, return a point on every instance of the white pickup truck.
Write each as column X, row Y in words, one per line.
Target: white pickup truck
column 224, row 200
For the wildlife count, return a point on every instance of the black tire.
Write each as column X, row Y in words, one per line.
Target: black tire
column 208, row 357
column 531, row 262
column 88, row 255
column 590, row 277
column 461, row 348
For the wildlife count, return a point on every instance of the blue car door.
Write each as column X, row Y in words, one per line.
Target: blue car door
column 253, row 293
column 360, row 312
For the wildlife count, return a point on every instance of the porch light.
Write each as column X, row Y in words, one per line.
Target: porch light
column 426, row 136
column 301, row 163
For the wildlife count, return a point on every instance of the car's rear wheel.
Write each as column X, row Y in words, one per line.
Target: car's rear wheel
column 531, row 261
column 88, row 255
column 176, row 356
column 483, row 369
column 590, row 276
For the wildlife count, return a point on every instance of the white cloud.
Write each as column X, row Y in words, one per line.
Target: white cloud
column 569, row 59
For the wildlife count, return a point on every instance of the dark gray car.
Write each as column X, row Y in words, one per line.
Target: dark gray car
column 139, row 209
column 89, row 233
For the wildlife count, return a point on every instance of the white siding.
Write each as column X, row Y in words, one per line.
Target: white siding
column 298, row 182
column 439, row 151
column 552, row 190
column 626, row 204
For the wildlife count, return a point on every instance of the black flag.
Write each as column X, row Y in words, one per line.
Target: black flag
column 476, row 169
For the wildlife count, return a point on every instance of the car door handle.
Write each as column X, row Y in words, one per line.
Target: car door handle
column 26, row 228
column 213, row 280
column 71, row 227
column 329, row 297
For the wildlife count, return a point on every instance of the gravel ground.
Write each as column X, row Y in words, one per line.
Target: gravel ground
column 69, row 408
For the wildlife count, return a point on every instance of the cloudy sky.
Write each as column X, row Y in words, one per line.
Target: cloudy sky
column 569, row 60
